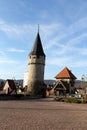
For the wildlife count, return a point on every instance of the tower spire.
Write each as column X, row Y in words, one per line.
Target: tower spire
column 37, row 47
column 38, row 28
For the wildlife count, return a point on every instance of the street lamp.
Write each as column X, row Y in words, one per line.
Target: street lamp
column 83, row 80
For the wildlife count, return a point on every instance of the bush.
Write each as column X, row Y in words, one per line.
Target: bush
column 27, row 93
column 73, row 100
column 70, row 99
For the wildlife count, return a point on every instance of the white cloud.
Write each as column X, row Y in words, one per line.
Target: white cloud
column 82, row 51
column 73, row 33
column 59, row 61
column 15, row 50
column 7, row 61
column 70, row 46
column 2, row 53
column 27, row 30
column 17, row 31
column 67, row 61
column 79, row 63
column 53, row 33
column 79, row 25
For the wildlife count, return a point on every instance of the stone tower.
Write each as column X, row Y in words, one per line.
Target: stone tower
column 36, row 66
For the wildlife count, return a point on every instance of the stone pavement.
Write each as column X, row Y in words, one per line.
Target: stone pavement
column 42, row 114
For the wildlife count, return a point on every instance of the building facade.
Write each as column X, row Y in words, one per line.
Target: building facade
column 9, row 87
column 65, row 81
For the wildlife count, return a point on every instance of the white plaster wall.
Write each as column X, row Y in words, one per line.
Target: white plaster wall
column 25, row 81
column 6, row 87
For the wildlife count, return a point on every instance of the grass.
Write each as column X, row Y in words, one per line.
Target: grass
column 70, row 99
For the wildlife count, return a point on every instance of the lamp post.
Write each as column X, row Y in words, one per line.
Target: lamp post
column 82, row 82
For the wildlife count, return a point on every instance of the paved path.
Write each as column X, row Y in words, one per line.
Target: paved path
column 42, row 114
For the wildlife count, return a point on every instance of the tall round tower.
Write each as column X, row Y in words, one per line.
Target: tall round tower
column 36, row 68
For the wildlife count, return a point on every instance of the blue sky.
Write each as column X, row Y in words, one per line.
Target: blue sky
column 63, row 31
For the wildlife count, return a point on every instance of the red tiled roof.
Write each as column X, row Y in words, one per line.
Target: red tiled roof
column 65, row 74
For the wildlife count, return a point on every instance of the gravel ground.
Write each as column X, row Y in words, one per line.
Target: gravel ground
column 42, row 114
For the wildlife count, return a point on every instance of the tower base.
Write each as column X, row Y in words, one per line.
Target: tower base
column 37, row 88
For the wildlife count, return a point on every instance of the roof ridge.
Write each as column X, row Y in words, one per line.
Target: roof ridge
column 65, row 73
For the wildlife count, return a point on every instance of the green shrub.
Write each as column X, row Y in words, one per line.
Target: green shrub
column 27, row 93
column 73, row 100
column 69, row 99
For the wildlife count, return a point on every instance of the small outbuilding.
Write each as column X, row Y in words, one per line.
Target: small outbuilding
column 65, row 81
column 9, row 87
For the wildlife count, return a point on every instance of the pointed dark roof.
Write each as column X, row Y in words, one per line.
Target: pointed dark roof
column 65, row 74
column 37, row 48
column 11, row 84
